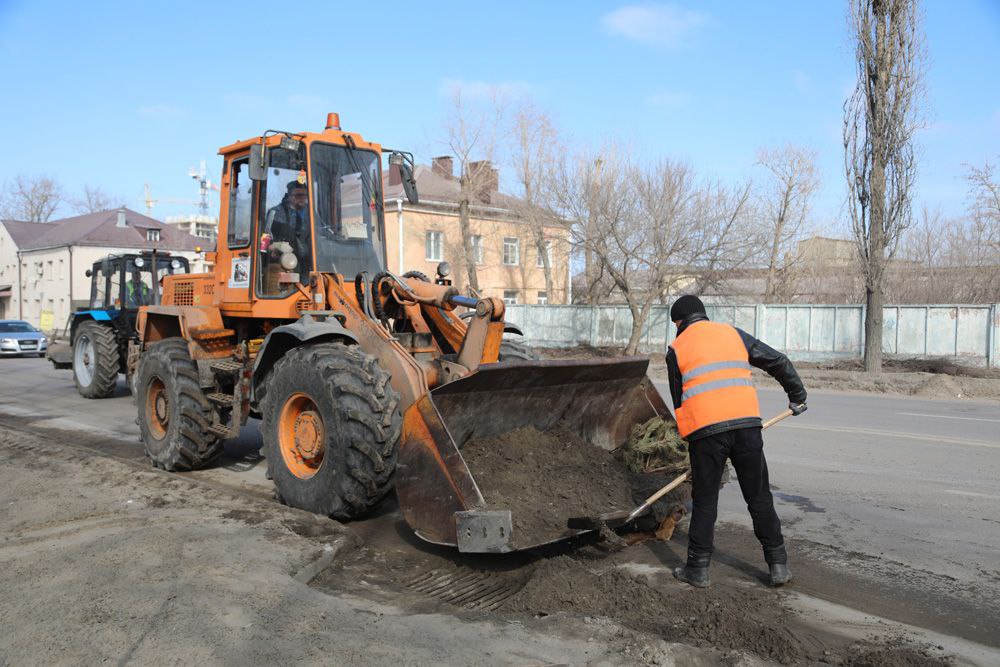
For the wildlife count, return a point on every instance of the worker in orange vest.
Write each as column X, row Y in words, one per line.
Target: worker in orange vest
column 715, row 403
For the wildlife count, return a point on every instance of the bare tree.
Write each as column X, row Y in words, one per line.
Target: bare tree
column 31, row 199
column 984, row 203
column 784, row 205
column 652, row 229
column 534, row 156
column 880, row 120
column 95, row 199
column 472, row 138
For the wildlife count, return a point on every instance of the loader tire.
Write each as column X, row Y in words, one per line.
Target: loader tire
column 174, row 413
column 331, row 426
column 95, row 360
column 514, row 351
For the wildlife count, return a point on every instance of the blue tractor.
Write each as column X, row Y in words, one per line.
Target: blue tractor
column 95, row 342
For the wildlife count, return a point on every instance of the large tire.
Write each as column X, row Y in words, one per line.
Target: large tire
column 95, row 360
column 515, row 351
column 331, row 426
column 174, row 414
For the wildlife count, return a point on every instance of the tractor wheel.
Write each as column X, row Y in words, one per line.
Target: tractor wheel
column 95, row 360
column 331, row 426
column 514, row 351
column 174, row 414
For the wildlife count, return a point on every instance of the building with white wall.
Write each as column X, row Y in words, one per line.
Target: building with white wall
column 43, row 265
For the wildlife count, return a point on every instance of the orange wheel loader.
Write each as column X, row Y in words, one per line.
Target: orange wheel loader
column 364, row 381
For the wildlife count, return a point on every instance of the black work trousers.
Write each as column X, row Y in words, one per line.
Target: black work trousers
column 745, row 448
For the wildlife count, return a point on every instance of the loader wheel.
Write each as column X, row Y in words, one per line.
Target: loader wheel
column 174, row 414
column 514, row 351
column 331, row 426
column 95, row 360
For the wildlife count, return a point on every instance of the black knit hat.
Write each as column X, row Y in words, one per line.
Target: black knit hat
column 686, row 306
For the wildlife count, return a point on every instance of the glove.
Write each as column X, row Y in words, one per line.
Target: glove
column 797, row 408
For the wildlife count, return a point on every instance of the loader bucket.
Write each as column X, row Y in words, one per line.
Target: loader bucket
column 599, row 400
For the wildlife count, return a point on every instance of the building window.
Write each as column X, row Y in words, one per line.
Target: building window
column 477, row 249
column 152, row 234
column 511, row 251
column 548, row 253
column 543, row 298
column 432, row 246
column 510, row 297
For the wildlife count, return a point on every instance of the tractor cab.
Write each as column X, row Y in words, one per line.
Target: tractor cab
column 128, row 281
column 94, row 342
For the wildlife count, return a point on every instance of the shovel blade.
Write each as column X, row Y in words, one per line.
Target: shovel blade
column 599, row 400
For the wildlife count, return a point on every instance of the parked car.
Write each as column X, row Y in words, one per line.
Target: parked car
column 17, row 337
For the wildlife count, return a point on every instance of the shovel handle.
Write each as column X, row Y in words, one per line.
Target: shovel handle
column 777, row 418
column 680, row 479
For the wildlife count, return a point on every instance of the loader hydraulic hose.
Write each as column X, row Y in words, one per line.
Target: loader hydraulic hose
column 466, row 301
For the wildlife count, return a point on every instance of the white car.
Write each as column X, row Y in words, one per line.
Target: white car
column 17, row 338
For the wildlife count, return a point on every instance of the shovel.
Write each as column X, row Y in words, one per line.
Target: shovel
column 620, row 518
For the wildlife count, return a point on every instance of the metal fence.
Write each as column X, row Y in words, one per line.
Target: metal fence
column 969, row 333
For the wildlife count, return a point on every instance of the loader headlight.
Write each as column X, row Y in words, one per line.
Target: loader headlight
column 444, row 269
column 138, row 262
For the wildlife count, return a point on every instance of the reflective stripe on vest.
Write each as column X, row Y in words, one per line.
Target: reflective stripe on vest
column 716, row 381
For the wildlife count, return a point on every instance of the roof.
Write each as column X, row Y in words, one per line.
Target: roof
column 437, row 188
column 24, row 232
column 100, row 229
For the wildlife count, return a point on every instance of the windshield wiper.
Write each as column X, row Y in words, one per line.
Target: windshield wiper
column 366, row 179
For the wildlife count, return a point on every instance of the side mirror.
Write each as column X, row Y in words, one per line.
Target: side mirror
column 258, row 163
column 405, row 163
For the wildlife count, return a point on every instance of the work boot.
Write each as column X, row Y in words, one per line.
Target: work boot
column 777, row 563
column 780, row 574
column 695, row 572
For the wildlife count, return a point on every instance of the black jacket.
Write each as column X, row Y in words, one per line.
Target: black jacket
column 762, row 356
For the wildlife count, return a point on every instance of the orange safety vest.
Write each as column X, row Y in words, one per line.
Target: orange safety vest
column 715, row 372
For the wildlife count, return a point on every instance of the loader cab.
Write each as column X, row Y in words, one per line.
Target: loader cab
column 298, row 203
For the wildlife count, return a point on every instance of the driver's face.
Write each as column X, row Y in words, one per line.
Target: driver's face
column 299, row 197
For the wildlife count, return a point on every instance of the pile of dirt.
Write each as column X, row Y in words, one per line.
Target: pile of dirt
column 545, row 478
column 743, row 620
column 894, row 653
column 938, row 365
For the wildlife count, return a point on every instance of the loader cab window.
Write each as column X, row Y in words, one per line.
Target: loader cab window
column 240, row 204
column 284, row 238
column 347, row 208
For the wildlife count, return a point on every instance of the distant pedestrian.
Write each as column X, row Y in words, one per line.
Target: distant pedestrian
column 709, row 366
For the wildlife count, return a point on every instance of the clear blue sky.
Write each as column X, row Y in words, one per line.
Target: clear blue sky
column 116, row 94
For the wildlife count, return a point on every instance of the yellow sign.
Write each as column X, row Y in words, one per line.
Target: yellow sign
column 47, row 320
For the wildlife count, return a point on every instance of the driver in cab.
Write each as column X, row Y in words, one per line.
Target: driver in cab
column 137, row 292
column 289, row 222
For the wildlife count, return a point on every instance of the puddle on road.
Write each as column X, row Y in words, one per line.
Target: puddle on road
column 801, row 502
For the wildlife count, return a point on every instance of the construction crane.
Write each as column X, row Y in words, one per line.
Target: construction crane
column 204, row 185
column 150, row 202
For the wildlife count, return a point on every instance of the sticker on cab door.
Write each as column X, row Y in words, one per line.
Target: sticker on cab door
column 240, row 274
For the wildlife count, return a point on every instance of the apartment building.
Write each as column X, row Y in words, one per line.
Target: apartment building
column 508, row 262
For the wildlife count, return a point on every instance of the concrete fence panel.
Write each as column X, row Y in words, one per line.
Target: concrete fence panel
column 969, row 333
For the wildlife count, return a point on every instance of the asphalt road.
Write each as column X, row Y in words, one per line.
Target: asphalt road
column 887, row 483
column 913, row 480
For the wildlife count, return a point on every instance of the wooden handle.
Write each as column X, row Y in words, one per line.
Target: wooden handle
column 777, row 418
column 659, row 494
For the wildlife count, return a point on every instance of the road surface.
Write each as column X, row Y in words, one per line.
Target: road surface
column 890, row 504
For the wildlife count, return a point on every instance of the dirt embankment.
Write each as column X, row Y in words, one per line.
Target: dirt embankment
column 925, row 378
